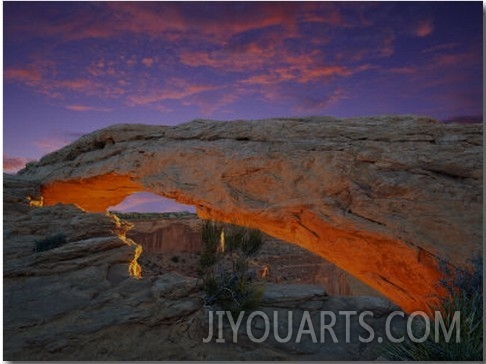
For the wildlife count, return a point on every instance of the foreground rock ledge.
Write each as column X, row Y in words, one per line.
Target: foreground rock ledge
column 381, row 197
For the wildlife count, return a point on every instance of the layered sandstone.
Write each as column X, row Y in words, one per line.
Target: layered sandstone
column 381, row 197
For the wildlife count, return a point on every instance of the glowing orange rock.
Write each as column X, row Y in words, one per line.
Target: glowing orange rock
column 93, row 194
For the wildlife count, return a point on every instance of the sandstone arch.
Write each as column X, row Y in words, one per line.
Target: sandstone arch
column 381, row 197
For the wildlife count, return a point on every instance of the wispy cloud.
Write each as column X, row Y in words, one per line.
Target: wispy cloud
column 83, row 108
column 405, row 70
column 14, row 164
column 440, row 47
column 23, row 75
column 148, row 61
column 55, row 141
column 50, row 145
column 156, row 19
column 201, row 56
column 424, row 28
column 175, row 89
column 315, row 103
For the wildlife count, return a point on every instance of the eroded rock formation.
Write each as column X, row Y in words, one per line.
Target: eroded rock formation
column 381, row 197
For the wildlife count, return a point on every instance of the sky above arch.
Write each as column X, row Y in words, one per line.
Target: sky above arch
column 74, row 67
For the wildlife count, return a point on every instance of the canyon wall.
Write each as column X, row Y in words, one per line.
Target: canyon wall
column 173, row 243
column 168, row 235
column 381, row 197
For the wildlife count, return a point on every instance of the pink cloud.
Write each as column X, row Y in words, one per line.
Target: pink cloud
column 304, row 73
column 387, row 48
column 176, row 89
column 467, row 58
column 102, row 67
column 165, row 20
column 147, row 18
column 263, row 79
column 217, row 37
column 224, row 49
column 14, row 164
column 251, row 57
column 424, row 28
column 51, row 144
column 331, row 15
column 324, row 72
column 43, row 77
column 321, row 103
column 148, row 61
column 440, row 47
column 76, row 84
column 23, row 75
column 406, row 70
column 86, row 108
column 55, row 88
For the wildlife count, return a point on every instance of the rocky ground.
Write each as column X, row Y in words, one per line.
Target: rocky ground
column 78, row 301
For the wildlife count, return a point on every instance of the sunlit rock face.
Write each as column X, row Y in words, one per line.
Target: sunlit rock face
column 381, row 197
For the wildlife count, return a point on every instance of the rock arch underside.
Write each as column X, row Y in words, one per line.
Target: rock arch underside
column 381, row 197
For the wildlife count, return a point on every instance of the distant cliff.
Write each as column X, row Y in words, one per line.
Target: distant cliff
column 167, row 235
column 169, row 242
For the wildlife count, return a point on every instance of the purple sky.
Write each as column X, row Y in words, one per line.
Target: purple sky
column 71, row 68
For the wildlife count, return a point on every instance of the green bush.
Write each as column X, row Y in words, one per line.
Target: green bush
column 224, row 271
column 211, row 233
column 464, row 293
column 50, row 242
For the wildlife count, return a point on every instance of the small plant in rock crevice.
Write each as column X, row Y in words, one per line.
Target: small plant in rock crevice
column 224, row 266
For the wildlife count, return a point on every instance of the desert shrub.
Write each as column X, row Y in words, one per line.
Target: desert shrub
column 464, row 293
column 175, row 259
column 50, row 242
column 211, row 233
column 224, row 270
